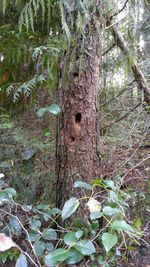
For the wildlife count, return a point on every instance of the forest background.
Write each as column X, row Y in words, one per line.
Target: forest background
column 35, row 37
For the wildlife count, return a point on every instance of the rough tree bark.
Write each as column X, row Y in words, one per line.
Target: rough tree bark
column 78, row 90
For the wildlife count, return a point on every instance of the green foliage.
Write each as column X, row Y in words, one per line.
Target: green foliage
column 109, row 241
column 26, row 88
column 70, row 207
column 22, row 261
column 8, row 255
column 79, row 241
column 54, row 109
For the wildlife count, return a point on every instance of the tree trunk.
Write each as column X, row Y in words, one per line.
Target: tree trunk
column 78, row 133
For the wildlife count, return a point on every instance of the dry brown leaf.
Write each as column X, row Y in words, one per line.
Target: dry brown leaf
column 6, row 242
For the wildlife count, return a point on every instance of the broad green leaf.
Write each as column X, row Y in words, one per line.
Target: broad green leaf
column 122, row 226
column 110, row 184
column 6, row 164
column 78, row 234
column 113, row 197
column 56, row 256
column 35, row 224
column 98, row 182
column 95, row 215
column 50, row 234
column 54, row 109
column 33, row 236
column 47, row 132
column 109, row 241
column 70, row 238
column 83, row 184
column 49, row 246
column 22, row 261
column 75, row 257
column 102, row 262
column 41, row 112
column 28, row 153
column 85, row 247
column 110, row 211
column 3, row 196
column 39, row 248
column 10, row 191
column 70, row 207
column 14, row 225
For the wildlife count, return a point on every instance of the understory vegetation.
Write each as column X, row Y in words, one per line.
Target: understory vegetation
column 104, row 220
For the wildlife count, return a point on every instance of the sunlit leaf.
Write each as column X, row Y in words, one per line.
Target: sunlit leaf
column 83, row 185
column 85, row 247
column 56, row 256
column 70, row 207
column 95, row 215
column 109, row 241
column 122, row 226
column 70, row 238
column 74, row 257
column 78, row 234
column 54, row 109
column 50, row 234
column 110, row 211
column 110, row 184
column 39, row 248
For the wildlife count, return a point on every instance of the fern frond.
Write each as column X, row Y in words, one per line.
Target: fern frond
column 26, row 88
column 10, row 89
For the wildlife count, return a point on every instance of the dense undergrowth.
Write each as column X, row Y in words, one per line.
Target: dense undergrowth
column 115, row 225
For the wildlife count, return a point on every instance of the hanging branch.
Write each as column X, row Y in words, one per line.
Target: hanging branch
column 137, row 72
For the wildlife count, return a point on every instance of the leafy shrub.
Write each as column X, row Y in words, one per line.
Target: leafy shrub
column 103, row 237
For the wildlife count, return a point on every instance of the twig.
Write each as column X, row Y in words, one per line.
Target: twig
column 137, row 72
column 121, row 118
column 26, row 234
column 118, row 12
column 108, row 50
column 120, row 93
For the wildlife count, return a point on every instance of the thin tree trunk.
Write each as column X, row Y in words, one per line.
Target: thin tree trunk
column 77, row 140
column 137, row 72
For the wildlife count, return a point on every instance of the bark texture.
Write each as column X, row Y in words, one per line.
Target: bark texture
column 77, row 142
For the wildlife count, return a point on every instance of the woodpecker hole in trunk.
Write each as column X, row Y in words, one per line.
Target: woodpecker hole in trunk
column 72, row 139
column 78, row 117
column 75, row 74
